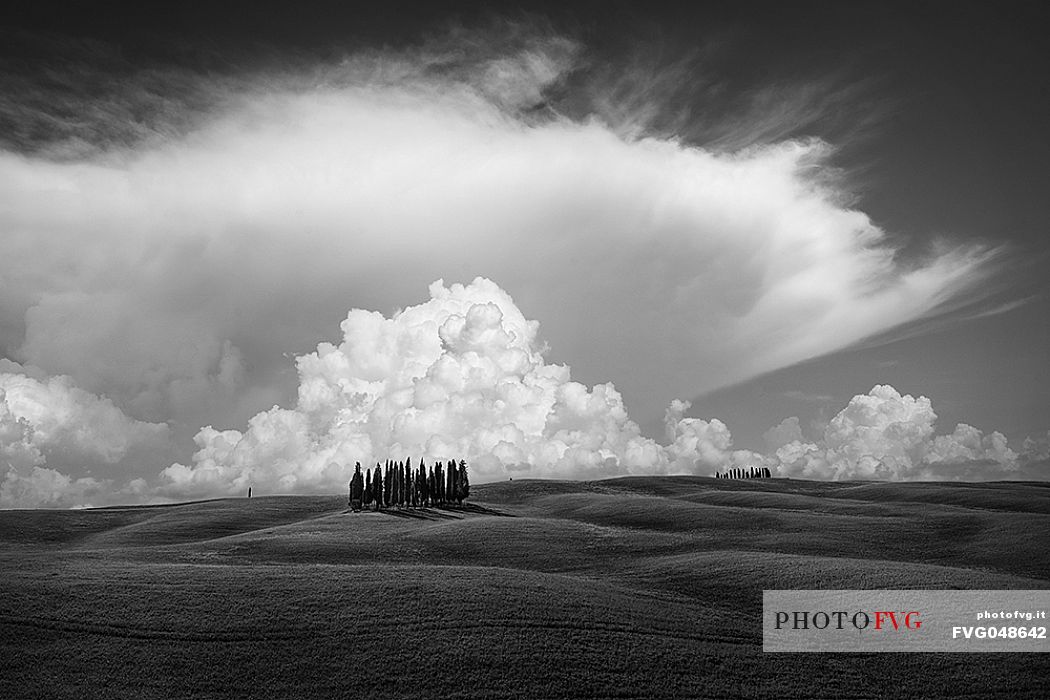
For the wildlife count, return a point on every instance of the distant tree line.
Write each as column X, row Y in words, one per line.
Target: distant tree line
column 399, row 484
column 745, row 473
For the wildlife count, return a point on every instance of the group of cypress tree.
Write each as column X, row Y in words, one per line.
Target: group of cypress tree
column 398, row 484
column 748, row 473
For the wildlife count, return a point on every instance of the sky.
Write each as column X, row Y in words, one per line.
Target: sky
column 251, row 245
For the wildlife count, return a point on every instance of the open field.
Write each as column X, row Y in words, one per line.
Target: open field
column 636, row 587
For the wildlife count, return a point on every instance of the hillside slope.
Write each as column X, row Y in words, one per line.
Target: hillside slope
column 637, row 587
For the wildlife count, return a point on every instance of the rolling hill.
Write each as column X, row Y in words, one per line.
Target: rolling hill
column 634, row 587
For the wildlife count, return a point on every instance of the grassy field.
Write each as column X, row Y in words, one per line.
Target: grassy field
column 636, row 587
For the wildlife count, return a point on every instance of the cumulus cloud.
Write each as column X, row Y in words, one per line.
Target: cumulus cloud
column 787, row 431
column 464, row 376
column 884, row 435
column 697, row 446
column 461, row 376
column 50, row 429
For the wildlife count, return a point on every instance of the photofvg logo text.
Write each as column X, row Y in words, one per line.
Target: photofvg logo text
column 840, row 619
column 905, row 620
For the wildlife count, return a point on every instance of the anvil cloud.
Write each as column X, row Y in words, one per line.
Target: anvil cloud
column 174, row 273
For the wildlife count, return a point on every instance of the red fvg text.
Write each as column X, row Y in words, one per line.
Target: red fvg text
column 883, row 620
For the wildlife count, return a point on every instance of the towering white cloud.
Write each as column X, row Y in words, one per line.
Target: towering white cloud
column 883, row 435
column 463, row 376
column 697, row 446
column 52, row 435
column 460, row 376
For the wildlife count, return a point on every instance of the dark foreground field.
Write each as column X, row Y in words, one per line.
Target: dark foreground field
column 640, row 587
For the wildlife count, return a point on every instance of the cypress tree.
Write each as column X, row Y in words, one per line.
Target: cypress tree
column 377, row 488
column 406, row 499
column 407, row 474
column 402, row 486
column 414, row 478
column 409, row 489
column 417, row 492
column 402, row 490
column 424, row 493
column 430, row 486
column 450, row 482
column 388, row 485
column 417, row 480
column 357, row 488
column 462, row 482
column 367, row 500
